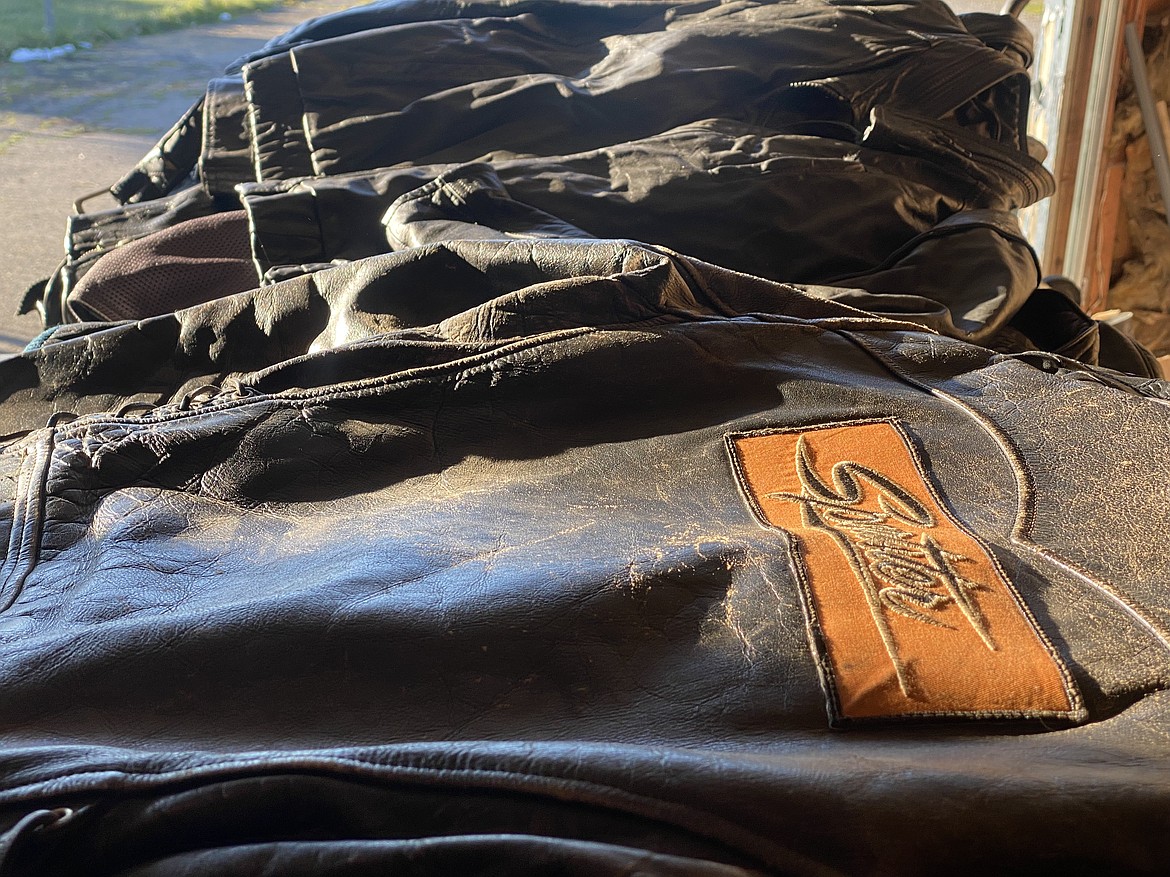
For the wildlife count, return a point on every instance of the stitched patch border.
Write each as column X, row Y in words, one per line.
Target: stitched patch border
column 910, row 615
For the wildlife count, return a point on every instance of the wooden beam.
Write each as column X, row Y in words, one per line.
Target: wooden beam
column 1100, row 267
column 1096, row 291
column 1075, row 92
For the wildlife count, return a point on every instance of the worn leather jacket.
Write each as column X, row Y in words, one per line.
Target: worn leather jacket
column 875, row 148
column 501, row 552
column 493, row 578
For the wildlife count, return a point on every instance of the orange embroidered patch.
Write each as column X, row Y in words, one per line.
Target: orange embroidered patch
column 913, row 615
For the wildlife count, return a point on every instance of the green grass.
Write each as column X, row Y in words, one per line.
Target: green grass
column 22, row 22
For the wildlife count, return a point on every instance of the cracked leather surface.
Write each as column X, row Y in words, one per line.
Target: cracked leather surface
column 510, row 540
column 427, row 554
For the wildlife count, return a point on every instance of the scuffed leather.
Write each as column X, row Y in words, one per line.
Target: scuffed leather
column 427, row 555
column 459, row 539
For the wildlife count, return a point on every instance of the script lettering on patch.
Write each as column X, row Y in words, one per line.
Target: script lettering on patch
column 911, row 614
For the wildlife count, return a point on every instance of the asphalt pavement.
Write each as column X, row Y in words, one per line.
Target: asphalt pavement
column 78, row 123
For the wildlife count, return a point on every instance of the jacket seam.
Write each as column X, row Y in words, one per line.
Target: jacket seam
column 27, row 520
column 702, row 822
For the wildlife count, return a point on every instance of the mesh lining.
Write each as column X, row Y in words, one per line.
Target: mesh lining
column 193, row 262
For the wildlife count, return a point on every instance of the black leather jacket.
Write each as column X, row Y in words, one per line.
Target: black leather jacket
column 504, row 552
column 877, row 148
column 500, row 583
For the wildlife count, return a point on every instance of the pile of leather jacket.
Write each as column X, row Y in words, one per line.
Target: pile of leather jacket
column 557, row 436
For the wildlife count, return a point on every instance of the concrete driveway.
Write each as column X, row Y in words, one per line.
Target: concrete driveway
column 77, row 124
